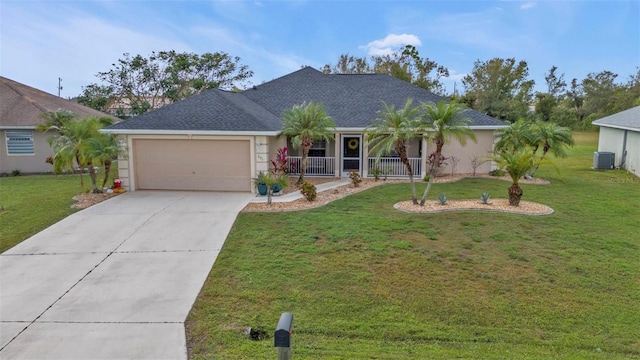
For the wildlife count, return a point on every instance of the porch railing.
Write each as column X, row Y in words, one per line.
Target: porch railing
column 316, row 166
column 393, row 167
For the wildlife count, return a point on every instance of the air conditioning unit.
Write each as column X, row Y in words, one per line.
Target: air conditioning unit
column 604, row 160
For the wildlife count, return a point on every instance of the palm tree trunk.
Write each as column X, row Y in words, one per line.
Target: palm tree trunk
column 544, row 152
column 107, row 172
column 401, row 149
column 92, row 175
column 434, row 171
column 306, row 145
column 515, row 193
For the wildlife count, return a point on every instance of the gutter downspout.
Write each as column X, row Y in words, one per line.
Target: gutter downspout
column 624, row 150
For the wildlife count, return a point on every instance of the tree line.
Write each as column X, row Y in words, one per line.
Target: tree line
column 497, row 87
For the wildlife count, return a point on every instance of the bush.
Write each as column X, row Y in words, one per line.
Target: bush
column 497, row 172
column 308, row 190
column 485, row 198
column 16, row 172
column 426, row 178
column 355, row 178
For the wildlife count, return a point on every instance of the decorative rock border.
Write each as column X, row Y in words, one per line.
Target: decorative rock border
column 495, row 205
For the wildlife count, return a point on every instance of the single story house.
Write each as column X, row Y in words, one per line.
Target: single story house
column 219, row 140
column 620, row 134
column 22, row 148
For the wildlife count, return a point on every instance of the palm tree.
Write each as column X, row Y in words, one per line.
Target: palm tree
column 303, row 124
column 103, row 148
column 552, row 138
column 516, row 136
column 392, row 130
column 445, row 121
column 71, row 144
column 516, row 163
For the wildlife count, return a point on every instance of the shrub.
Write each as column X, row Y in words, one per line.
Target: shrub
column 355, row 178
column 281, row 163
column 443, row 199
column 497, row 172
column 308, row 190
column 485, row 198
column 16, row 172
column 426, row 178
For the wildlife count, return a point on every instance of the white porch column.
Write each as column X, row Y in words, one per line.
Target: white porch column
column 365, row 156
column 262, row 154
column 338, row 156
column 423, row 159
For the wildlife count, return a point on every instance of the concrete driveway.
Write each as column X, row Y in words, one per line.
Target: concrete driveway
column 114, row 281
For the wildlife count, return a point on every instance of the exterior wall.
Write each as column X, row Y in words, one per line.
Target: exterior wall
column 633, row 153
column 481, row 148
column 612, row 140
column 275, row 144
column 259, row 157
column 27, row 163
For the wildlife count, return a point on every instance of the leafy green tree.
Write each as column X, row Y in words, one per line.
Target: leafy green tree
column 137, row 84
column 405, row 64
column 303, row 124
column 445, row 120
column 392, row 131
column 500, row 88
column 103, row 149
column 71, row 146
column 599, row 89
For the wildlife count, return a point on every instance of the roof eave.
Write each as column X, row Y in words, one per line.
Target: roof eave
column 620, row 127
column 187, row 132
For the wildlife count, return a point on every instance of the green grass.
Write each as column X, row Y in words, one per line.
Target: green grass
column 365, row 281
column 34, row 202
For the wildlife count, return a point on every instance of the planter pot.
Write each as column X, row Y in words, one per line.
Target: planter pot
column 262, row 189
column 276, row 188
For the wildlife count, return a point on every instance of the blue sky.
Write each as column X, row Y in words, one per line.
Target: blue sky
column 43, row 40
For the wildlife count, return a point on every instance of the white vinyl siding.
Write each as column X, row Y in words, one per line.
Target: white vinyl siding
column 20, row 142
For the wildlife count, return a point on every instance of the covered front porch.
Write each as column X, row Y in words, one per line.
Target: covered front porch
column 351, row 150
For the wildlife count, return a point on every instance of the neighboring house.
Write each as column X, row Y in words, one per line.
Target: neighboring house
column 620, row 134
column 220, row 140
column 22, row 148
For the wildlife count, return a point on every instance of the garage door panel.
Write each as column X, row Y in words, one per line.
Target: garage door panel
column 216, row 165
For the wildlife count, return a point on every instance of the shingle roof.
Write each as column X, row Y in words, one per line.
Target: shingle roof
column 352, row 100
column 213, row 110
column 22, row 105
column 628, row 119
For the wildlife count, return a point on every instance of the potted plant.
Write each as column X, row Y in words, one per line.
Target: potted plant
column 261, row 184
column 268, row 180
column 280, row 167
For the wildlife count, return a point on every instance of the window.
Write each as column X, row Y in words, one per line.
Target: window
column 20, row 142
column 318, row 149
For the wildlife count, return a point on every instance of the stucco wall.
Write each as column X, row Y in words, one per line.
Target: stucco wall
column 27, row 163
column 613, row 140
column 482, row 147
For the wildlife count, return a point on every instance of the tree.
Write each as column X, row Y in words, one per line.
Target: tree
column 405, row 64
column 137, row 84
column 103, row 149
column 71, row 146
column 547, row 102
column 392, row 130
column 516, row 164
column 551, row 138
column 303, row 124
column 445, row 120
column 514, row 137
column 500, row 88
column 599, row 89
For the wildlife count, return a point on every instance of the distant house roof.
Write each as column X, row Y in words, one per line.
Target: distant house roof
column 22, row 105
column 625, row 120
column 351, row 100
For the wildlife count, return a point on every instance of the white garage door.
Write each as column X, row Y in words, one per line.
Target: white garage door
column 214, row 165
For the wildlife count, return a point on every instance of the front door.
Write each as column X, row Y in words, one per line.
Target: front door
column 351, row 149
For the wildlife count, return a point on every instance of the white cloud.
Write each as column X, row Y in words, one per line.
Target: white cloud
column 528, row 5
column 390, row 43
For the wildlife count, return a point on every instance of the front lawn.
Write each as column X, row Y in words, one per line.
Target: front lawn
column 34, row 202
column 365, row 281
